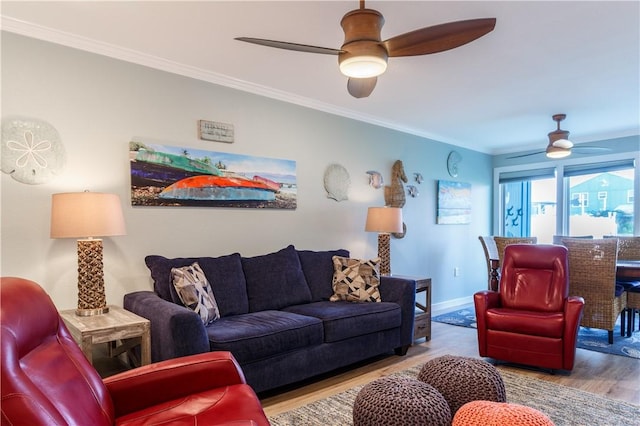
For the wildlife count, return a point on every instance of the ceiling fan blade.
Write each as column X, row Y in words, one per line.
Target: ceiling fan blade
column 526, row 155
column 290, row 46
column 590, row 149
column 439, row 37
column 361, row 87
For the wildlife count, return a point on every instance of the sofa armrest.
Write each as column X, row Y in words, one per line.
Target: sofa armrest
column 168, row 380
column 175, row 330
column 402, row 291
column 573, row 310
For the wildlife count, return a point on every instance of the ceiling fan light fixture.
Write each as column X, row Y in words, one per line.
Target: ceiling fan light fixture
column 363, row 66
column 363, row 59
column 556, row 152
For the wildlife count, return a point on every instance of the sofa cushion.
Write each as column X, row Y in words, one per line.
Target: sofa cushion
column 195, row 292
column 224, row 273
column 355, row 280
column 259, row 335
column 317, row 267
column 343, row 320
column 275, row 280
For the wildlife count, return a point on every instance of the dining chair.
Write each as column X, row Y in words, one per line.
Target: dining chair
column 592, row 275
column 557, row 239
column 490, row 253
column 633, row 307
column 503, row 242
column 629, row 249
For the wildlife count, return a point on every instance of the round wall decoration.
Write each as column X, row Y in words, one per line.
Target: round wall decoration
column 452, row 163
column 32, row 152
column 336, row 182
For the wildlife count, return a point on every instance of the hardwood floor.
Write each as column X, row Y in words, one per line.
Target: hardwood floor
column 612, row 376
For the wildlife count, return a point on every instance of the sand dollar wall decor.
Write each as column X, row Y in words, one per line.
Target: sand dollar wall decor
column 336, row 182
column 32, row 152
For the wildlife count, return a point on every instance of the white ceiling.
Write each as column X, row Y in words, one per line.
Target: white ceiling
column 494, row 95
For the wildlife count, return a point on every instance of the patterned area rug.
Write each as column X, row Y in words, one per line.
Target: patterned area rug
column 588, row 338
column 564, row 405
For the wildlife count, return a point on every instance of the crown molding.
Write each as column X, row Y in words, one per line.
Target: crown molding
column 29, row 29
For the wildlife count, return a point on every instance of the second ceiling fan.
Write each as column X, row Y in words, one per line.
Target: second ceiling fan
column 559, row 144
column 363, row 56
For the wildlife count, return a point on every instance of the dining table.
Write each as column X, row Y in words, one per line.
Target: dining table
column 625, row 270
column 628, row 269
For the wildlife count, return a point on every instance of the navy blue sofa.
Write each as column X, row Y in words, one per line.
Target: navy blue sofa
column 276, row 317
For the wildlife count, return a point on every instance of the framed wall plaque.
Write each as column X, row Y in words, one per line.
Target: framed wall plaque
column 215, row 131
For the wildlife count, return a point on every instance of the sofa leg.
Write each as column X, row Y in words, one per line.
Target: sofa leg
column 610, row 332
column 402, row 350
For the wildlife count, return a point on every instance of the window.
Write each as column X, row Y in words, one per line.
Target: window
column 574, row 199
column 529, row 203
column 609, row 183
column 579, row 200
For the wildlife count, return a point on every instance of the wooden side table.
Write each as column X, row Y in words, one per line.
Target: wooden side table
column 422, row 322
column 116, row 325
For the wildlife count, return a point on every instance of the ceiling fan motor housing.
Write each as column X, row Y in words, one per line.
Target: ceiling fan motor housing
column 362, row 55
column 560, row 138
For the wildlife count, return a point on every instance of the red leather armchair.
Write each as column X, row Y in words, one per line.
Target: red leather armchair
column 531, row 319
column 46, row 379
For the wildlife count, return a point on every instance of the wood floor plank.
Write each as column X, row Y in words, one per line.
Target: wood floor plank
column 612, row 376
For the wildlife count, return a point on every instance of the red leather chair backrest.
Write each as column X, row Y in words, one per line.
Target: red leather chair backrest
column 46, row 379
column 535, row 277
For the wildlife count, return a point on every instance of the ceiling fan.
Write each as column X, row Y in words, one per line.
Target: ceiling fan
column 363, row 56
column 559, row 144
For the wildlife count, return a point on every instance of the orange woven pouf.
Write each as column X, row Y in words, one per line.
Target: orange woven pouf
column 488, row 413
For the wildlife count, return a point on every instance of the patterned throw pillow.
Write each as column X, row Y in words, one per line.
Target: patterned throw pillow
column 355, row 280
column 195, row 292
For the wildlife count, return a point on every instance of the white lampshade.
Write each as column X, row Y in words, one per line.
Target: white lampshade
column 384, row 220
column 86, row 214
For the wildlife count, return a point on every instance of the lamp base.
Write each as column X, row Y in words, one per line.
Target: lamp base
column 91, row 297
column 91, row 312
column 384, row 253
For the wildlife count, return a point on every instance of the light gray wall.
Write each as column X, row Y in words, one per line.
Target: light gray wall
column 98, row 105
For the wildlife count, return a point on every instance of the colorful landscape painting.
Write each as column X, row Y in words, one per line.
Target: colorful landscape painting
column 454, row 202
column 177, row 176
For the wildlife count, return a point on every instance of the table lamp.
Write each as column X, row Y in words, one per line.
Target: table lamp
column 384, row 221
column 86, row 215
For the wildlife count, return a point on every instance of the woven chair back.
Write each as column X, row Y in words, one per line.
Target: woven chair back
column 628, row 247
column 592, row 275
column 557, row 239
column 489, row 248
column 503, row 242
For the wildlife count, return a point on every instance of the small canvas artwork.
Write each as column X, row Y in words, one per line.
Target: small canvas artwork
column 177, row 176
column 454, row 203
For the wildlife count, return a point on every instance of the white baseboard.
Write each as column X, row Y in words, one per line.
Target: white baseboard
column 450, row 305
